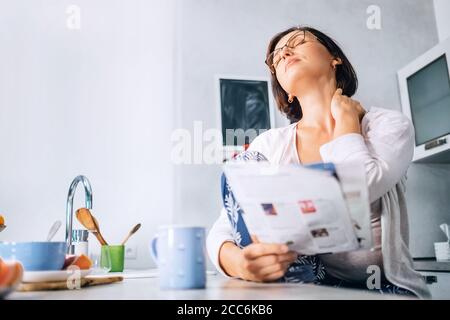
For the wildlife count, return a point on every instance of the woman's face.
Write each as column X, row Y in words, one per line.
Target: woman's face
column 299, row 59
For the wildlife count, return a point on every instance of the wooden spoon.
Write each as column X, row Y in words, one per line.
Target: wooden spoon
column 133, row 231
column 89, row 222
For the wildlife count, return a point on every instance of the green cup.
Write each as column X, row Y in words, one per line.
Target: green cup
column 113, row 258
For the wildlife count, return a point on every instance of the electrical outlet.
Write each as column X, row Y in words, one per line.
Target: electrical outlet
column 131, row 252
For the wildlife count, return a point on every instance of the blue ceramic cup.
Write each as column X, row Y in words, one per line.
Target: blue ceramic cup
column 35, row 256
column 179, row 252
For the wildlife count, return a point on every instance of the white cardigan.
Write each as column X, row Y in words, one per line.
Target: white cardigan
column 386, row 148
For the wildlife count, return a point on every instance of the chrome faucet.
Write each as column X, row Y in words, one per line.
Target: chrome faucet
column 69, row 207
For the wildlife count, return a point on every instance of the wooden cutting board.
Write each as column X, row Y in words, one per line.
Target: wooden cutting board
column 62, row 285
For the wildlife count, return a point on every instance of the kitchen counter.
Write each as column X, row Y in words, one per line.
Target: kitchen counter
column 218, row 287
column 431, row 265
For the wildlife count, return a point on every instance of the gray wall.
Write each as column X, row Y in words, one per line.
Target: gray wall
column 230, row 37
column 428, row 197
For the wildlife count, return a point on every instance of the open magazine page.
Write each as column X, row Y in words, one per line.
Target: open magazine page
column 352, row 178
column 292, row 204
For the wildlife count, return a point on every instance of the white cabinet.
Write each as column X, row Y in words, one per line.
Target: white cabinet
column 441, row 288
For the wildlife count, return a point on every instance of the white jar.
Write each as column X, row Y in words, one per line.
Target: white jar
column 80, row 242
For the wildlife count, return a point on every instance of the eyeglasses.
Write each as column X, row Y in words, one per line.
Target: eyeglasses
column 297, row 39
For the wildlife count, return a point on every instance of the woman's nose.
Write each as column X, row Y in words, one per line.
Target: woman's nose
column 286, row 52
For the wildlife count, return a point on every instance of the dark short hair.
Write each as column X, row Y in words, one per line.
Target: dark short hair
column 346, row 78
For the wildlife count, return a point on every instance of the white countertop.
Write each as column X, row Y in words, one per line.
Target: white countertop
column 144, row 285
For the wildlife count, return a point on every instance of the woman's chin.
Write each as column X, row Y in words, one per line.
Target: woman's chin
column 295, row 80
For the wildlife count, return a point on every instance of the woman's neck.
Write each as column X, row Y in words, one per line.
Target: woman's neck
column 315, row 101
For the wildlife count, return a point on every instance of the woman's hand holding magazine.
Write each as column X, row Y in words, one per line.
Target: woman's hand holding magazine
column 260, row 262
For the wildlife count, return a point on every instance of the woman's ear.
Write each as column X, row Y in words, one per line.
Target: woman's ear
column 336, row 62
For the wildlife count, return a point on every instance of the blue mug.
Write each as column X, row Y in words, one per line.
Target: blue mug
column 179, row 252
column 35, row 256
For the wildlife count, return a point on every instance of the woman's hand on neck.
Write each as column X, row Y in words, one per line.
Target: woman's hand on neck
column 325, row 110
column 347, row 113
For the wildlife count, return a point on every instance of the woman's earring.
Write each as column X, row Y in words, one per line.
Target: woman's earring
column 290, row 98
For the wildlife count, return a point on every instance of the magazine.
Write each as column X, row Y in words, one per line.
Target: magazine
column 315, row 209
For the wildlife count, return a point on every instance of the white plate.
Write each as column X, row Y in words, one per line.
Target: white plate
column 47, row 276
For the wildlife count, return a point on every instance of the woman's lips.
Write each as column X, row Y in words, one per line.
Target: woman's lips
column 291, row 62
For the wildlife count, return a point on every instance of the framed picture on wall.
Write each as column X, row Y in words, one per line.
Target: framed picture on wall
column 246, row 109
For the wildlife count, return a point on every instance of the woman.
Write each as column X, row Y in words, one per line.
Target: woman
column 312, row 81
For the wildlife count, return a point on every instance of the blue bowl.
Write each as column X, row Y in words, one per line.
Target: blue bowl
column 35, row 256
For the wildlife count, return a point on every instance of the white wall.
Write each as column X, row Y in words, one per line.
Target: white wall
column 442, row 11
column 96, row 101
